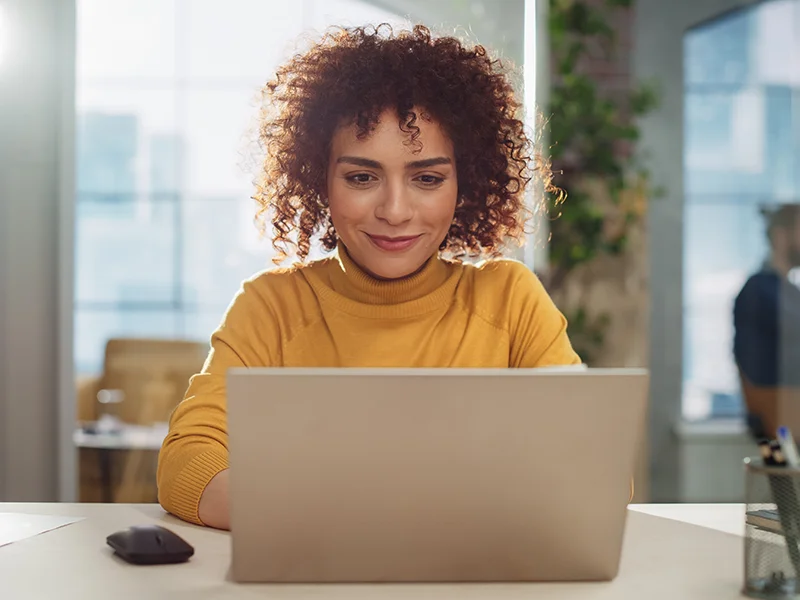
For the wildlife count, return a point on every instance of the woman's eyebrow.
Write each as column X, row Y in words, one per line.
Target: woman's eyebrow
column 359, row 162
column 374, row 164
column 429, row 162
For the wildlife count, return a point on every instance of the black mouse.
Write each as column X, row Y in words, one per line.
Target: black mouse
column 150, row 545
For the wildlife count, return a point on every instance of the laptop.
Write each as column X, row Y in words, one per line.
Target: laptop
column 431, row 475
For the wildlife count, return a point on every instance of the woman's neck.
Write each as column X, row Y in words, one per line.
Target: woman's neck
column 351, row 280
column 342, row 248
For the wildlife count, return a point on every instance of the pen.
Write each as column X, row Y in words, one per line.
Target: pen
column 788, row 447
column 776, row 453
column 766, row 453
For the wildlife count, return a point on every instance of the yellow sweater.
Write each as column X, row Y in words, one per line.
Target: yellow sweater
column 329, row 313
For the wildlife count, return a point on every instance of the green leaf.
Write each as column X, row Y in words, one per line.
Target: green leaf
column 568, row 63
column 644, row 99
column 582, row 19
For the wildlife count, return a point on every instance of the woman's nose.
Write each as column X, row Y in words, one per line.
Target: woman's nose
column 396, row 206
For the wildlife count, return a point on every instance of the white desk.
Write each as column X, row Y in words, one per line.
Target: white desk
column 675, row 552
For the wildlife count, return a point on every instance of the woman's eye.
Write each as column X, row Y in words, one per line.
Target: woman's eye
column 430, row 180
column 360, row 178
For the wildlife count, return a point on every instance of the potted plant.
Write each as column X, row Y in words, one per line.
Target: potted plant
column 597, row 246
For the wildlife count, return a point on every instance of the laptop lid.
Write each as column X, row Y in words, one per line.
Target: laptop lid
column 356, row 475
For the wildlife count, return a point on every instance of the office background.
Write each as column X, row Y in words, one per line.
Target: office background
column 124, row 206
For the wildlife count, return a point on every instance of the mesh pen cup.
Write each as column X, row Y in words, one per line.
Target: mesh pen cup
column 772, row 531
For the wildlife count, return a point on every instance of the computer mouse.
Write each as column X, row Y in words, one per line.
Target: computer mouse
column 150, row 545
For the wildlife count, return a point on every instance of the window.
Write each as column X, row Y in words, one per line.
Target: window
column 741, row 152
column 166, row 91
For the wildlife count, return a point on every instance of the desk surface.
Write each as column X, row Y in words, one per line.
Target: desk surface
column 670, row 552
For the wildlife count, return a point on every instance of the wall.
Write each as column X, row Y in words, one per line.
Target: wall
column 36, row 64
column 711, row 454
column 658, row 38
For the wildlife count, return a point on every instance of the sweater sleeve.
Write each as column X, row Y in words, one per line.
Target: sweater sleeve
column 196, row 446
column 537, row 329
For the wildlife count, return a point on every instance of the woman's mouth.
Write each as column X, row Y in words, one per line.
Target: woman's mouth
column 394, row 244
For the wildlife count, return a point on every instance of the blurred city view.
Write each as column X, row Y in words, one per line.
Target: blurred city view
column 152, row 260
column 741, row 153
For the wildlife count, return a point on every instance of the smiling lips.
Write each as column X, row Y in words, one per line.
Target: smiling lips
column 393, row 244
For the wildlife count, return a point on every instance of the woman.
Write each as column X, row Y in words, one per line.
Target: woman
column 400, row 150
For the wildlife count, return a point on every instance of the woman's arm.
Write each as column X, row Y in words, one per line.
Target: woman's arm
column 193, row 462
column 196, row 447
column 214, row 508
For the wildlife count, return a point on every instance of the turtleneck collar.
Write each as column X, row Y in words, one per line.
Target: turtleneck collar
column 340, row 282
column 352, row 281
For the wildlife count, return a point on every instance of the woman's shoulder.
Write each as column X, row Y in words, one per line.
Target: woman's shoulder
column 500, row 273
column 283, row 288
column 285, row 275
column 499, row 288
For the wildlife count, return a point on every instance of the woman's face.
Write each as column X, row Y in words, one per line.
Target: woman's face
column 390, row 206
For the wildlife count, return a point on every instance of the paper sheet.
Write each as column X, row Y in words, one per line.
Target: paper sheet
column 19, row 526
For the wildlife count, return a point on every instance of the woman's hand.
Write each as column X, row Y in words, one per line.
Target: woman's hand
column 214, row 508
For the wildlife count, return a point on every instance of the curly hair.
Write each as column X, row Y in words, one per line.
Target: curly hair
column 350, row 77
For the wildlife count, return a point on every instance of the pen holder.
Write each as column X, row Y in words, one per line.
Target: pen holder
column 772, row 531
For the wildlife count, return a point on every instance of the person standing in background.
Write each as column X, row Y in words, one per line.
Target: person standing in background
column 766, row 313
